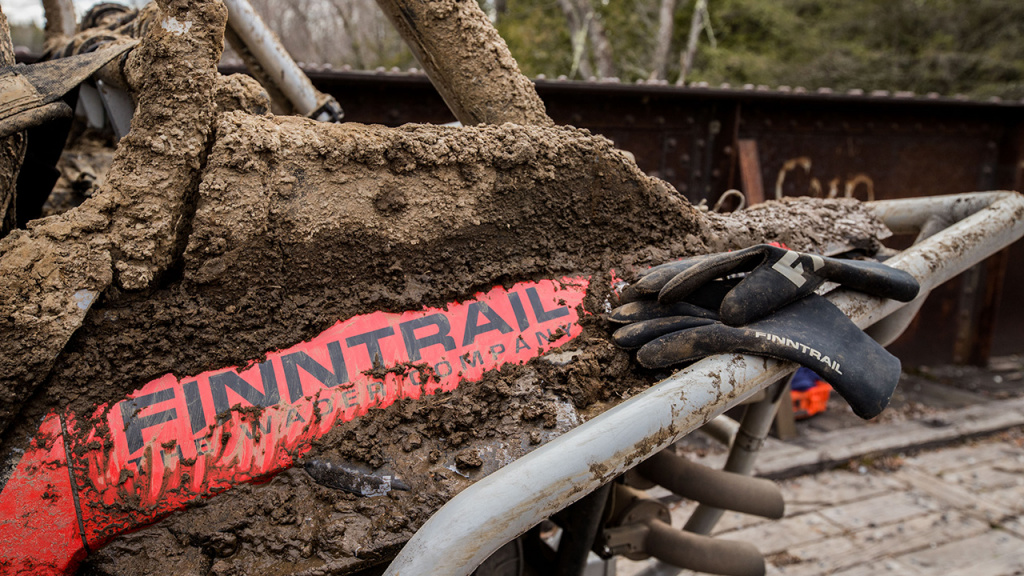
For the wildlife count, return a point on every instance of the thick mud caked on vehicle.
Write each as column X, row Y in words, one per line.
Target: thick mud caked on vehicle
column 268, row 230
column 300, row 224
column 51, row 273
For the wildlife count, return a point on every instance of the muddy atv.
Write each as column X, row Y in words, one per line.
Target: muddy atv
column 269, row 344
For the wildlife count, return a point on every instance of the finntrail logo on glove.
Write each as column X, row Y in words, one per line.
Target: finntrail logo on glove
column 795, row 274
column 760, row 300
column 805, row 349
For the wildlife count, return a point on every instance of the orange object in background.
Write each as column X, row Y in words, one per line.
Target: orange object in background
column 814, row 400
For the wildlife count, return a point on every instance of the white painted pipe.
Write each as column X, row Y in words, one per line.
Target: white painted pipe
column 500, row 507
column 986, row 222
column 908, row 215
column 272, row 56
column 753, row 429
column 888, row 329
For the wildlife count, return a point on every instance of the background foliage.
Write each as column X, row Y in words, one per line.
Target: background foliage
column 946, row 46
column 973, row 47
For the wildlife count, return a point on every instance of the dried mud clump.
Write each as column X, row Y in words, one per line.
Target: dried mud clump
column 175, row 70
column 238, row 92
column 430, row 213
column 300, row 224
column 821, row 226
column 130, row 233
column 223, row 232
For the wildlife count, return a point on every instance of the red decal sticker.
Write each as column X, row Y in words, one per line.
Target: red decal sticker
column 617, row 284
column 176, row 440
column 38, row 526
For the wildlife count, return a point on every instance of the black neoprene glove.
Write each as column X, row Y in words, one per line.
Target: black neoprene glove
column 773, row 278
column 780, row 317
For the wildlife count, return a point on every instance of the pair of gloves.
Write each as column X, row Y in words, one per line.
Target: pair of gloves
column 761, row 301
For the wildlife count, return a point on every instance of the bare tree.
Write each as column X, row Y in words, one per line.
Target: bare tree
column 602, row 49
column 348, row 14
column 701, row 21
column 588, row 39
column 337, row 32
column 578, row 25
column 664, row 39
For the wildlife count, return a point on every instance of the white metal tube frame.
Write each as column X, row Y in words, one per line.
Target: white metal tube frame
column 505, row 504
column 272, row 56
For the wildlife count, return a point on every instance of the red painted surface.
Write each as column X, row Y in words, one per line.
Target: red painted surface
column 174, row 441
column 38, row 525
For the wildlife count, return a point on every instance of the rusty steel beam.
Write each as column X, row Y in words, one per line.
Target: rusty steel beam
column 992, row 293
column 750, row 171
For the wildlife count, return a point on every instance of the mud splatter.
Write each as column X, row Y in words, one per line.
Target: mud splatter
column 284, row 226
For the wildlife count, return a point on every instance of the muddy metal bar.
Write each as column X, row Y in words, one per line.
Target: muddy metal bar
column 746, row 443
column 985, row 222
column 907, row 216
column 500, row 507
column 464, row 532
